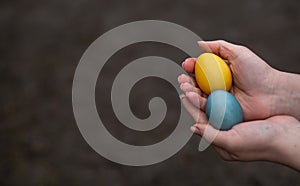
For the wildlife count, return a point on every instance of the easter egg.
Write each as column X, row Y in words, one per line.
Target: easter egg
column 212, row 73
column 223, row 110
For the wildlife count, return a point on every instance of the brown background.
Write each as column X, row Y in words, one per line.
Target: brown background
column 41, row 44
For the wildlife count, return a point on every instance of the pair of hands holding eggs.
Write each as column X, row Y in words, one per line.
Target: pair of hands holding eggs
column 214, row 78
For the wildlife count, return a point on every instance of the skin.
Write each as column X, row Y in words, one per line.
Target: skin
column 270, row 100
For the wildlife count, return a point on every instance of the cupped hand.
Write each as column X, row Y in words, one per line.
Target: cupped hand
column 253, row 79
column 275, row 139
column 265, row 134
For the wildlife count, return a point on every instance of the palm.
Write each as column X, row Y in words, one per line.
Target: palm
column 249, row 138
column 255, row 105
column 252, row 86
column 258, row 130
column 266, row 134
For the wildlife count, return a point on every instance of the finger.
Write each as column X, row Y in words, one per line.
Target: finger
column 189, row 65
column 196, row 100
column 221, row 48
column 212, row 135
column 186, row 79
column 187, row 87
column 196, row 113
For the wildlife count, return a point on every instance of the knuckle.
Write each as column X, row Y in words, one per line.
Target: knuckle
column 243, row 48
column 221, row 41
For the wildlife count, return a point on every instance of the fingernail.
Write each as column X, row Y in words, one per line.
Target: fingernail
column 182, row 86
column 182, row 65
column 182, row 96
column 178, row 79
column 193, row 129
column 200, row 42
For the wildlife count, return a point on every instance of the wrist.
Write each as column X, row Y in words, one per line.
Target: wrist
column 286, row 149
column 276, row 92
column 285, row 98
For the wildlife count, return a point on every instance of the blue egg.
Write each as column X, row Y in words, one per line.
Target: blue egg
column 223, row 110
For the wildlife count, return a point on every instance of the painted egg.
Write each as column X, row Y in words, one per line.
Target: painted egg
column 212, row 73
column 223, row 110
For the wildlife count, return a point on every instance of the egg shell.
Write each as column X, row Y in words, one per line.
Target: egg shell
column 212, row 73
column 223, row 110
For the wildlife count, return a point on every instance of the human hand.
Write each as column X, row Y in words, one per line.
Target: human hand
column 253, row 79
column 275, row 139
column 273, row 136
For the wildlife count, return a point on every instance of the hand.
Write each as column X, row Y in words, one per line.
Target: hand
column 253, row 80
column 274, row 136
column 275, row 139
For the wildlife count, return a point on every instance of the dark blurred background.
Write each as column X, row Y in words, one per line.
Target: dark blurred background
column 41, row 43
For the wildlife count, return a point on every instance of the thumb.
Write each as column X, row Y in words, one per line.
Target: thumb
column 212, row 135
column 221, row 48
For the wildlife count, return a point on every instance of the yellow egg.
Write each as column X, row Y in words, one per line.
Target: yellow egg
column 212, row 73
